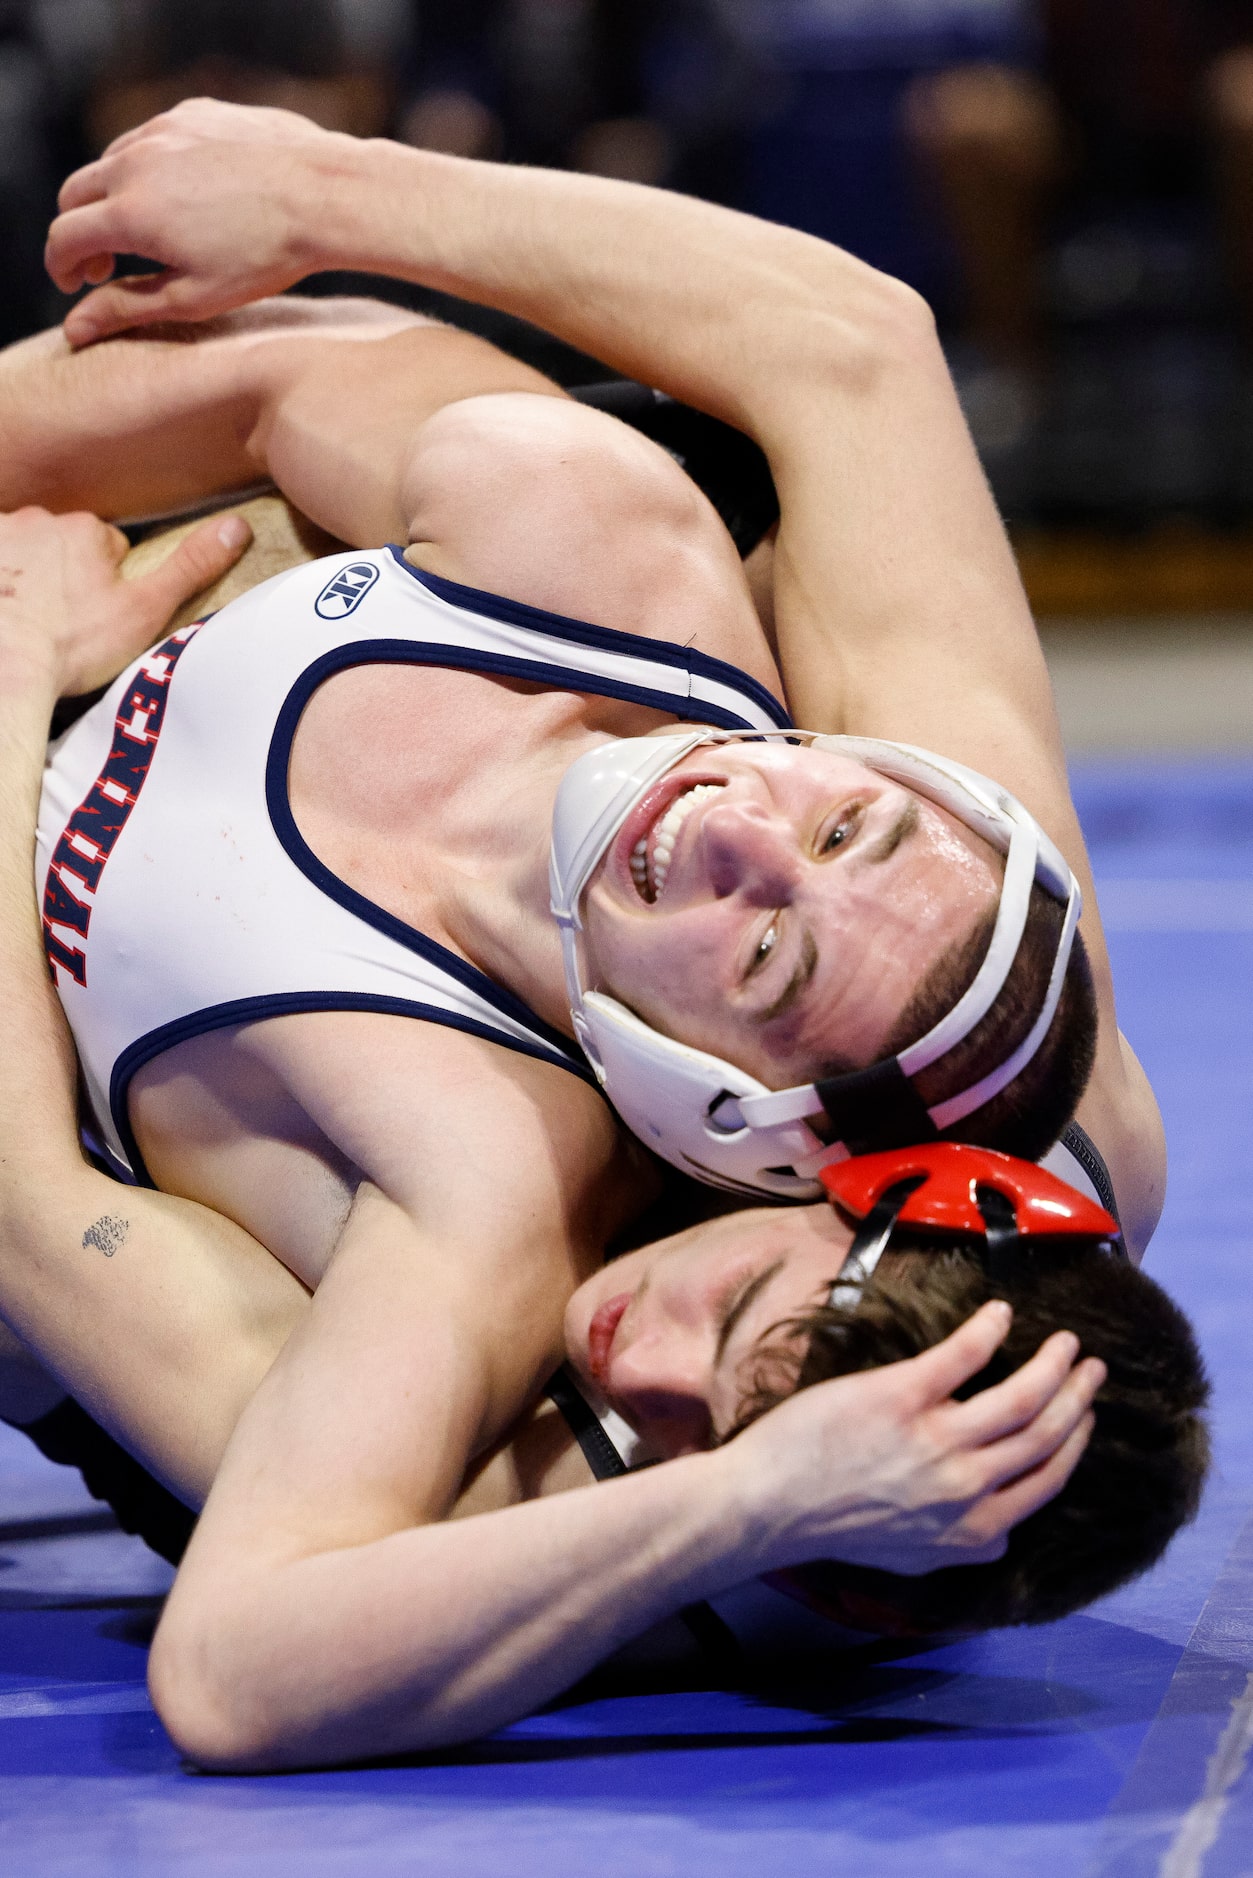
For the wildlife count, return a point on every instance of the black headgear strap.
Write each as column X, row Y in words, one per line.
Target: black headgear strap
column 1001, row 1228
column 876, row 1108
column 876, row 1229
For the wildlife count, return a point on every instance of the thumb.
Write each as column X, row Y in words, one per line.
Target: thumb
column 200, row 558
column 135, row 300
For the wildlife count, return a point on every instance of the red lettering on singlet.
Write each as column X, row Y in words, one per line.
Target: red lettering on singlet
column 92, row 830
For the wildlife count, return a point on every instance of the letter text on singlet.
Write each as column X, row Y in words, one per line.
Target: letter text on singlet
column 79, row 857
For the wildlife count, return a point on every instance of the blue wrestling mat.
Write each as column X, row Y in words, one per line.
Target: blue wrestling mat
column 1114, row 1745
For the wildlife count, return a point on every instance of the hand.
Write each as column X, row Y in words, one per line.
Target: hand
column 224, row 197
column 67, row 613
column 884, row 1468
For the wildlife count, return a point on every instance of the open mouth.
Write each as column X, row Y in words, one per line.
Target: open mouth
column 653, row 852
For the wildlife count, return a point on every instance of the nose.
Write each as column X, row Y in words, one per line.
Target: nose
column 751, row 850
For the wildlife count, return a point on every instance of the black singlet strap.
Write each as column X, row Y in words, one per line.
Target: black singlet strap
column 598, row 1450
column 68, row 1435
column 1092, row 1161
column 711, row 1633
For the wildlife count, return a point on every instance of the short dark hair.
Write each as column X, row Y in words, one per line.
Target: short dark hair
column 1137, row 1482
column 1026, row 1117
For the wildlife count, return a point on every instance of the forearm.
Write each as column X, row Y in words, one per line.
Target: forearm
column 438, row 1634
column 147, row 424
column 713, row 306
column 139, row 426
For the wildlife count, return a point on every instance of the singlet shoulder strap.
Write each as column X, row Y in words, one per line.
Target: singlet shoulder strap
column 1078, row 1142
column 711, row 1633
column 585, row 1425
column 532, row 642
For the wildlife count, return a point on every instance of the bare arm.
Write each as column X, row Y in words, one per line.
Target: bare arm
column 327, row 1610
column 158, row 421
column 314, row 1619
column 160, row 1316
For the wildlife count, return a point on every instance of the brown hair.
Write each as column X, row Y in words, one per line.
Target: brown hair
column 1137, row 1482
column 1026, row 1117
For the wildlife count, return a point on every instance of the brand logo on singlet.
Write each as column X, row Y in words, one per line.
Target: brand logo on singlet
column 346, row 590
column 79, row 858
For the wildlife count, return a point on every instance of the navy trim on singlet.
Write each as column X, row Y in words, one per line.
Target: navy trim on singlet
column 472, row 658
column 380, row 652
column 1092, row 1161
column 561, row 1052
column 286, row 1004
column 605, row 638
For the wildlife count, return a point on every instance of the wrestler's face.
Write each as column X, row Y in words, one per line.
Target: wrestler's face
column 673, row 1335
column 784, row 907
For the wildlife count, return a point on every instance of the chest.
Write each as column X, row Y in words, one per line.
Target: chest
column 409, row 781
column 377, row 739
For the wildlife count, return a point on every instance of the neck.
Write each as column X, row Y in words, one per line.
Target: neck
column 497, row 907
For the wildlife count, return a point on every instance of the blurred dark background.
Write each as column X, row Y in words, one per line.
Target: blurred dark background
column 1070, row 183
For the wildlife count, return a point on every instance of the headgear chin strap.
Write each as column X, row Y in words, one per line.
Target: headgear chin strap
column 716, row 1121
column 951, row 1187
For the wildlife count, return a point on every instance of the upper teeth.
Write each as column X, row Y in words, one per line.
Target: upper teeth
column 663, row 836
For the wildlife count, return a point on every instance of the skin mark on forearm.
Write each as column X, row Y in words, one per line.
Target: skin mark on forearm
column 107, row 1234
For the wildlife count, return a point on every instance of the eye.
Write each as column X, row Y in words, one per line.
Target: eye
column 769, row 940
column 843, row 829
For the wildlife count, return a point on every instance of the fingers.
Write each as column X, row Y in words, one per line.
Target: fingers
column 982, row 1534
column 1006, row 1507
column 136, row 300
column 1013, row 1403
column 85, row 185
column 1017, row 1454
column 935, row 1374
column 203, row 557
column 80, row 242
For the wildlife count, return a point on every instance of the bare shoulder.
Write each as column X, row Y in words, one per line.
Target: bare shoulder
column 490, row 1184
column 568, row 509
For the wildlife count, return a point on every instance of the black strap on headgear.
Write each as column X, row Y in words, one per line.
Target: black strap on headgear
column 1001, row 1241
column 876, row 1108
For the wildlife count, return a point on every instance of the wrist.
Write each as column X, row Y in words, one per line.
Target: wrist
column 741, row 1513
column 29, row 678
column 359, row 216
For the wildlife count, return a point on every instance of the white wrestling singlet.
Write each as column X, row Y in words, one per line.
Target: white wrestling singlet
column 178, row 895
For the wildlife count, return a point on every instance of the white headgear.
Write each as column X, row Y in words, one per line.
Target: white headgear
column 717, row 1122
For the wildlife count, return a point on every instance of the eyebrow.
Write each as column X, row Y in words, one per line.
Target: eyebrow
column 795, row 984
column 737, row 1310
column 902, row 828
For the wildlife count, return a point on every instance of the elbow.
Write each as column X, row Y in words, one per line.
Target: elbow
column 859, row 327
column 210, row 1701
